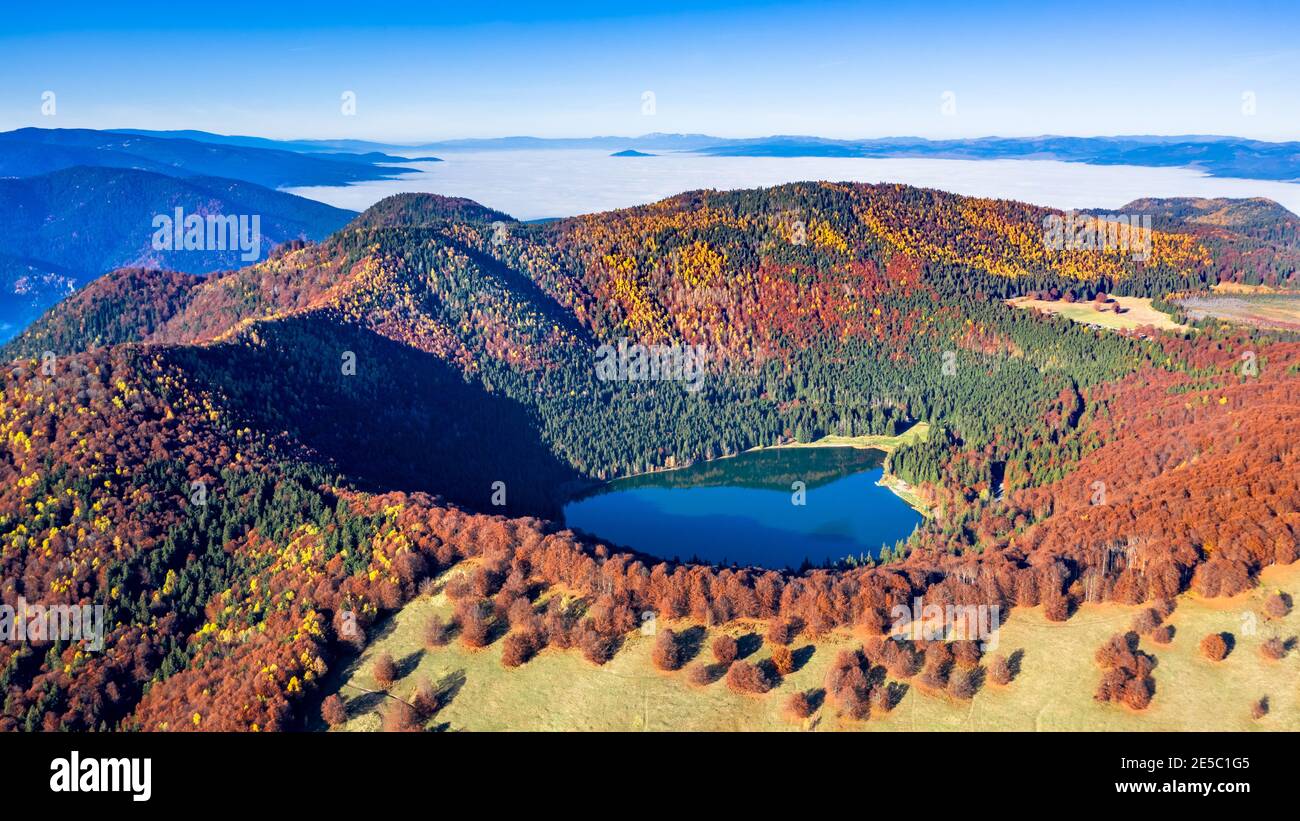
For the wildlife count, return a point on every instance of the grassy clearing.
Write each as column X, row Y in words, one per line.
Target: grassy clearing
column 559, row 690
column 1243, row 288
column 1138, row 313
column 1261, row 309
column 916, row 433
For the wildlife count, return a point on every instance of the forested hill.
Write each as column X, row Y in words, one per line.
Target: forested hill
column 1253, row 241
column 79, row 223
column 234, row 465
column 414, row 210
column 126, row 305
column 653, row 268
column 823, row 308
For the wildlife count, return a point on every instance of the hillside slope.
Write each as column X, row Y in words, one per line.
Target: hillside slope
column 87, row 221
column 249, row 470
column 1254, row 241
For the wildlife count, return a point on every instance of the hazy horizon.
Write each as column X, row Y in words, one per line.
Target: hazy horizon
column 475, row 137
column 546, row 183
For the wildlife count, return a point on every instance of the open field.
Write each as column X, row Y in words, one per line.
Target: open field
column 917, row 432
column 1261, row 309
column 1243, row 288
column 1138, row 313
column 559, row 690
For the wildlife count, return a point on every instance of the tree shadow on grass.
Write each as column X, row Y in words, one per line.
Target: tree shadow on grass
column 690, row 642
column 365, row 703
column 876, row 675
column 407, row 664
column 895, row 692
column 448, row 687
column 709, row 673
column 1014, row 661
column 769, row 670
column 445, row 691
column 381, row 630
column 816, row 698
column 748, row 644
column 497, row 630
column 802, row 656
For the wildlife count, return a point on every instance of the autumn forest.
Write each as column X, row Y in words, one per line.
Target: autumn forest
column 254, row 470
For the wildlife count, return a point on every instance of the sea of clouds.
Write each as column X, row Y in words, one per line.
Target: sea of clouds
column 559, row 183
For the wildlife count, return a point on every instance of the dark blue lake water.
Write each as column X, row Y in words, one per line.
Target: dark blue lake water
column 743, row 509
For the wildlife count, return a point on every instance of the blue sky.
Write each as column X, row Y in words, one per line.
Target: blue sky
column 424, row 71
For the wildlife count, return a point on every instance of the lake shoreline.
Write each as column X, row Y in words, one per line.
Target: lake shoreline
column 876, row 441
column 886, row 444
column 774, row 507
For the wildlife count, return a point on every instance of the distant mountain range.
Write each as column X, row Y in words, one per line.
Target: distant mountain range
column 329, row 149
column 30, row 151
column 666, row 142
column 1215, row 155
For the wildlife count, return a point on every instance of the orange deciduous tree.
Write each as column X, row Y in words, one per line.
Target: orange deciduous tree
column 666, row 653
column 1214, row 647
column 384, row 671
column 743, row 677
column 725, row 649
column 333, row 711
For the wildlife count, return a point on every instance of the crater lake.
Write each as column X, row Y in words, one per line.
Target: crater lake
column 775, row 508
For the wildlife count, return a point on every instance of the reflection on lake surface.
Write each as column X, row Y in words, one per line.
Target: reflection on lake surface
column 741, row 510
